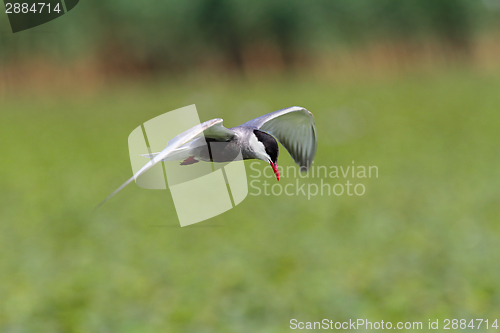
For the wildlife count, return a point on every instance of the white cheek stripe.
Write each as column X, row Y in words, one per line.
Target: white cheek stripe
column 258, row 147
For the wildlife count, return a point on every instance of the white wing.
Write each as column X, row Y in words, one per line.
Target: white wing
column 213, row 128
column 294, row 127
column 216, row 132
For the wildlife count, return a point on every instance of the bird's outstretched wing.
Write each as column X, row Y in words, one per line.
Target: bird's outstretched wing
column 294, row 128
column 218, row 132
column 211, row 128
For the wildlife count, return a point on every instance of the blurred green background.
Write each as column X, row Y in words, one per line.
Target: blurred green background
column 412, row 87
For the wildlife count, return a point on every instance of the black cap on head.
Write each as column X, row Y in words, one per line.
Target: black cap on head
column 269, row 143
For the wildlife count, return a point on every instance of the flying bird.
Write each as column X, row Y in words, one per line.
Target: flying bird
column 258, row 138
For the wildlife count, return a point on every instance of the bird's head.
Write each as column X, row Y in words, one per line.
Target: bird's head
column 266, row 148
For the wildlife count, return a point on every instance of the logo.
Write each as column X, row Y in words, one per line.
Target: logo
column 26, row 14
column 199, row 190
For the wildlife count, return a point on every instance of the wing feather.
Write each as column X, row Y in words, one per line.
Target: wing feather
column 295, row 129
column 218, row 132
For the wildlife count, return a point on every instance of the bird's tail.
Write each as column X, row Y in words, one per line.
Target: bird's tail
column 149, row 155
column 177, row 155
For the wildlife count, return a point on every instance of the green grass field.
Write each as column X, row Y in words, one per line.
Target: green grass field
column 422, row 243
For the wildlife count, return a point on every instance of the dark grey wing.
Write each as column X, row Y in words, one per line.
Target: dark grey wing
column 294, row 128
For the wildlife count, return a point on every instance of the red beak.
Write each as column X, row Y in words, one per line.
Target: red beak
column 275, row 169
